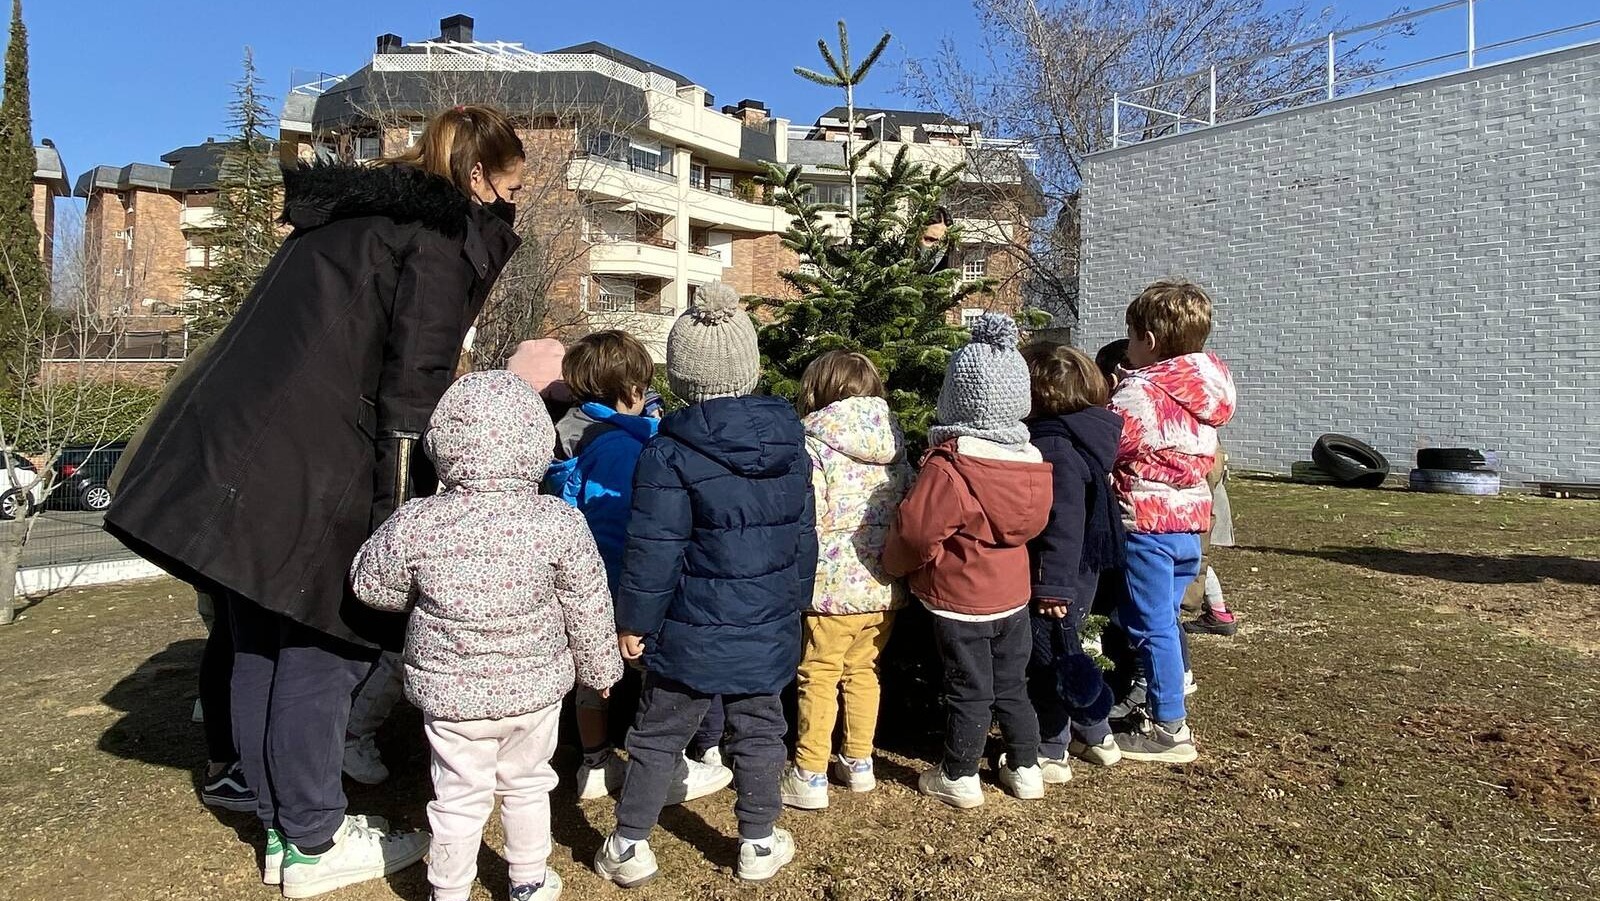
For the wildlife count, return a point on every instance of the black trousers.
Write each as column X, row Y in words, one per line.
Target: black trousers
column 986, row 679
column 216, row 678
column 291, row 703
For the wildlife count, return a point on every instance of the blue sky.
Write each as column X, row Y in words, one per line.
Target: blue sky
column 118, row 81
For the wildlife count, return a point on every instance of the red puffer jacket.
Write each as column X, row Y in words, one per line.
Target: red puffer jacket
column 1171, row 411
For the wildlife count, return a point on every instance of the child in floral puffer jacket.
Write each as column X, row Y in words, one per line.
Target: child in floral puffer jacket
column 508, row 604
column 859, row 475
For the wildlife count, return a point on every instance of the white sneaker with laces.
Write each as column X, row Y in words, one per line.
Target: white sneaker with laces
column 760, row 861
column 802, row 790
column 1106, row 753
column 1189, row 685
column 598, row 782
column 363, row 763
column 963, row 793
column 1057, row 771
column 1025, row 783
column 854, row 774
column 712, row 757
column 272, row 861
column 359, row 853
column 700, row 780
column 631, row 869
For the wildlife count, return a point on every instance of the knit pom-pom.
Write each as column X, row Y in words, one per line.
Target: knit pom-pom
column 995, row 329
column 715, row 304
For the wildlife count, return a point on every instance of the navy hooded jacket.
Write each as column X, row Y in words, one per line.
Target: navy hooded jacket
column 1076, row 446
column 722, row 547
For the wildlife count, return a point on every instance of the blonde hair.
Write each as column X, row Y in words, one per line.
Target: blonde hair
column 609, row 367
column 834, row 376
column 462, row 137
column 1177, row 313
column 1063, row 379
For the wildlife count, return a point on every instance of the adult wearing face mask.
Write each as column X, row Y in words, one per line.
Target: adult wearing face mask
column 272, row 461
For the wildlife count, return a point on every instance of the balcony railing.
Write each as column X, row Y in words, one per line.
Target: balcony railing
column 663, row 174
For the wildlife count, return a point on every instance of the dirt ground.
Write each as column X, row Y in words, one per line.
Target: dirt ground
column 1411, row 710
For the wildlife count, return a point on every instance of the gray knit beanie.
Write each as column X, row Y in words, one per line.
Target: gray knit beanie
column 986, row 390
column 711, row 350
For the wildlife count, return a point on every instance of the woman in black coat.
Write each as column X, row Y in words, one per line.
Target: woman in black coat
column 281, row 451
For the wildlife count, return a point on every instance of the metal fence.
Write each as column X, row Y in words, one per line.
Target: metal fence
column 63, row 538
column 1188, row 102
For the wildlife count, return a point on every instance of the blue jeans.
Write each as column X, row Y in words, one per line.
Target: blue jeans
column 1159, row 569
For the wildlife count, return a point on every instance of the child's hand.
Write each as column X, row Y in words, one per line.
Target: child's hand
column 1053, row 608
column 630, row 646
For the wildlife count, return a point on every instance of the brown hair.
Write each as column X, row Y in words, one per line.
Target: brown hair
column 836, row 375
column 458, row 139
column 1177, row 313
column 1064, row 379
column 607, row 367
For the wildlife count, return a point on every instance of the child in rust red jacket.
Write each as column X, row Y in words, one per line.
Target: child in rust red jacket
column 962, row 539
column 1172, row 398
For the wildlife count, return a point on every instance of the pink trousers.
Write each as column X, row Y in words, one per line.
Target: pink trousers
column 472, row 763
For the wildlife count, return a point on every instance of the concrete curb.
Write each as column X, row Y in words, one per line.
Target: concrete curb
column 49, row 579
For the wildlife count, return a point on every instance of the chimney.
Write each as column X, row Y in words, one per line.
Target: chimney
column 456, row 29
column 390, row 43
column 908, row 134
column 751, row 112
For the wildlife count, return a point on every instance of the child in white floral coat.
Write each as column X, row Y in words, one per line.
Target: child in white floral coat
column 509, row 606
column 859, row 474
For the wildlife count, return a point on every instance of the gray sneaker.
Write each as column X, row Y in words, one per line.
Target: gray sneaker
column 634, row 868
column 1163, row 743
column 758, row 863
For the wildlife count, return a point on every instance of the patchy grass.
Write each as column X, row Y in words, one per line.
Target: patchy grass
column 1411, row 710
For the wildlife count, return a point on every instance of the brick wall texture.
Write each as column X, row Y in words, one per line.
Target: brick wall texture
column 1415, row 267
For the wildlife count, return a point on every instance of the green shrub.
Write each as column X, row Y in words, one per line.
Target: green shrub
column 46, row 418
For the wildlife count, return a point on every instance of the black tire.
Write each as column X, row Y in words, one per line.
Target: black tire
column 1451, row 481
column 1350, row 462
column 1457, row 459
column 95, row 497
column 14, row 501
column 1309, row 473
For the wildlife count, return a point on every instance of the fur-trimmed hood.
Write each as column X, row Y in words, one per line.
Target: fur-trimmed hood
column 319, row 194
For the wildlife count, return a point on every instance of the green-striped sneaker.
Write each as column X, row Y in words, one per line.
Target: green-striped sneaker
column 359, row 853
column 272, row 861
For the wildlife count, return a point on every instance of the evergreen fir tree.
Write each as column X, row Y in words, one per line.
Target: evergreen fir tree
column 871, row 288
column 246, row 233
column 842, row 75
column 23, row 301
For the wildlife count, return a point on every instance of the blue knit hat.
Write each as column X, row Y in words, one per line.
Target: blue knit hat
column 986, row 389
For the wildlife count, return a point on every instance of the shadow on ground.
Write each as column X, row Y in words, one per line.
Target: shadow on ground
column 1470, row 569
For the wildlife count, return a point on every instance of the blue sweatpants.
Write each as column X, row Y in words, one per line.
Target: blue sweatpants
column 1159, row 568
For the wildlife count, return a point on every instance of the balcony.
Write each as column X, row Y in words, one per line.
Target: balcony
column 728, row 211
column 705, row 265
column 196, row 258
column 649, row 189
column 656, row 258
column 197, row 217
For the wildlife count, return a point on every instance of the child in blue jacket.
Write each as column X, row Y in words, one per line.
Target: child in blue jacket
column 721, row 556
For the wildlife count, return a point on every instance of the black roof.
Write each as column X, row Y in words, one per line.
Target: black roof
column 627, row 59
column 193, row 168
column 893, row 119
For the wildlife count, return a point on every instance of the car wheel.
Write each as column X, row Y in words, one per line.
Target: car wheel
column 16, row 502
column 95, row 497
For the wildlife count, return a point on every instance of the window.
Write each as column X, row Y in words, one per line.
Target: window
column 974, row 268
column 614, row 295
column 414, row 133
column 811, row 269
column 969, row 315
column 720, row 183
column 368, row 147
column 697, row 175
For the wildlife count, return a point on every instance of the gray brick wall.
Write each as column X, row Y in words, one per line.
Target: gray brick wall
column 1415, row 267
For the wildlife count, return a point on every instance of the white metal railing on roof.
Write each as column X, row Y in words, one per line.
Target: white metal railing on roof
column 1150, row 120
column 315, row 86
column 503, row 56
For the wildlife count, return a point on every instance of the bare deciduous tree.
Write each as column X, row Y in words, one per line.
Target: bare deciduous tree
column 1044, row 71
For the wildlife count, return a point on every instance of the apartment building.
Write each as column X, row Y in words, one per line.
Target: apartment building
column 49, row 183
column 639, row 189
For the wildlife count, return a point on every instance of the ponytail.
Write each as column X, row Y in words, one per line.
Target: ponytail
column 457, row 139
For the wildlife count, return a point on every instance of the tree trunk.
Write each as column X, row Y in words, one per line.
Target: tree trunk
column 850, row 140
column 13, row 532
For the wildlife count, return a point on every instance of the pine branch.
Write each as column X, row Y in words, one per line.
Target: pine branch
column 824, row 80
column 866, row 65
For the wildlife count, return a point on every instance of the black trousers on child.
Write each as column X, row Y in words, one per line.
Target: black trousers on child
column 291, row 704
column 216, row 680
column 669, row 715
column 986, row 679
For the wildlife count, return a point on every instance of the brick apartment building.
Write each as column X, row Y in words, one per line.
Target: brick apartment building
column 49, row 183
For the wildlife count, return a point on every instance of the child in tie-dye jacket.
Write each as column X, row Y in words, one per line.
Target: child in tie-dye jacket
column 1172, row 398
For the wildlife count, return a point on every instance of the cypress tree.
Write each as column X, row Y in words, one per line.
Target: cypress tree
column 23, row 303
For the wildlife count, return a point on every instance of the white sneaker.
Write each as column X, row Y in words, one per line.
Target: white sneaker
column 595, row 783
column 760, row 861
column 1189, row 685
column 805, row 791
column 549, row 890
column 359, row 853
column 272, row 861
column 1057, row 770
column 1106, row 753
column 634, row 868
column 362, row 762
column 1025, row 783
column 964, row 793
column 712, row 757
column 701, row 780
column 855, row 775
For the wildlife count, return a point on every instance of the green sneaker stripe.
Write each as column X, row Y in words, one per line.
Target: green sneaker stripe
column 274, row 842
column 293, row 855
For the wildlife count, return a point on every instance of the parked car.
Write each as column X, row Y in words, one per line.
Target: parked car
column 78, row 481
column 21, row 489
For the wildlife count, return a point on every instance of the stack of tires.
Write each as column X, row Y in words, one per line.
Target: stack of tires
column 1344, row 461
column 1456, row 470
